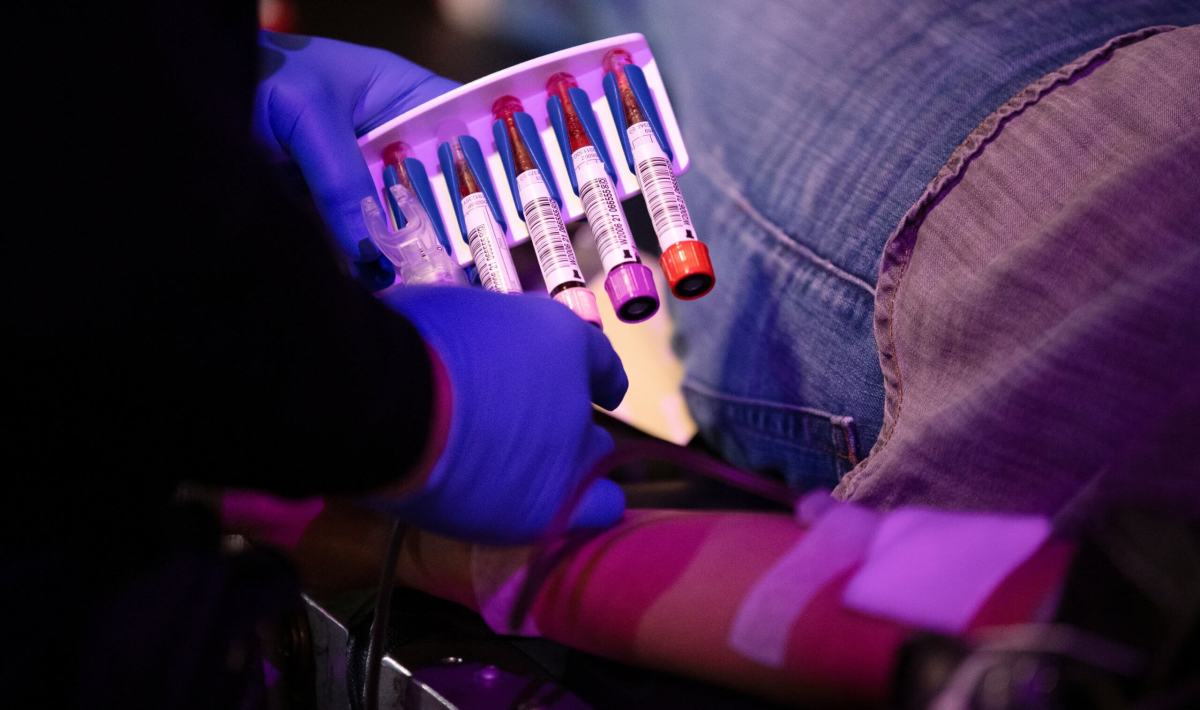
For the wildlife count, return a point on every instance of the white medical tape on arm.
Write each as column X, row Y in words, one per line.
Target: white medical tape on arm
column 812, row 506
column 497, row 578
column 935, row 569
column 763, row 623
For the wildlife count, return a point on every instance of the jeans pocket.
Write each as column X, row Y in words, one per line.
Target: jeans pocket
column 805, row 447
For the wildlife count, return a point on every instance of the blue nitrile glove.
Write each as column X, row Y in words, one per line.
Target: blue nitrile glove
column 522, row 373
column 315, row 96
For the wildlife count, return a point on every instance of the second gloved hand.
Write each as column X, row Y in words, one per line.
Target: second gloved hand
column 314, row 97
column 522, row 374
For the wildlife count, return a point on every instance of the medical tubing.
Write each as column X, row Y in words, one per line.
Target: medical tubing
column 379, row 622
column 548, row 552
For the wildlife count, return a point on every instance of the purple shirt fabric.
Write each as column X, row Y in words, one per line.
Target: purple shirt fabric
column 1038, row 309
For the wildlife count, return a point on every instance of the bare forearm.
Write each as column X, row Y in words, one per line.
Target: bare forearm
column 668, row 590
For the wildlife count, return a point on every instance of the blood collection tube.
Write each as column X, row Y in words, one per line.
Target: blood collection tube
column 684, row 260
column 394, row 155
column 629, row 283
column 543, row 218
column 484, row 235
column 412, row 244
column 395, row 172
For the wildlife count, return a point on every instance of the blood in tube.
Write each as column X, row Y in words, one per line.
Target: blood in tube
column 496, row 269
column 551, row 243
column 395, row 172
column 412, row 244
column 685, row 259
column 393, row 157
column 630, row 285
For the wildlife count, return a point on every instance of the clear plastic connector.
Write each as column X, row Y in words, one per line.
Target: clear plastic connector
column 414, row 249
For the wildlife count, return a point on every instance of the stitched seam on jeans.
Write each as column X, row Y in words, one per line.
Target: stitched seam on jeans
column 707, row 391
column 725, row 183
column 846, row 425
column 904, row 236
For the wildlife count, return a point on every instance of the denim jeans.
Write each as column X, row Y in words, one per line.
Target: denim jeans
column 1037, row 311
column 813, row 127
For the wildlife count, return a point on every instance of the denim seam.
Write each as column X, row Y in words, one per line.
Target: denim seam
column 845, row 424
column 708, row 391
column 900, row 246
column 725, row 183
column 838, row 443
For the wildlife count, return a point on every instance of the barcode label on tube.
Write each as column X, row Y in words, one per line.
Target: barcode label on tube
column 495, row 264
column 611, row 231
column 551, row 243
column 664, row 201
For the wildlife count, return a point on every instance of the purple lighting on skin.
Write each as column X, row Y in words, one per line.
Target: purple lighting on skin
column 268, row 519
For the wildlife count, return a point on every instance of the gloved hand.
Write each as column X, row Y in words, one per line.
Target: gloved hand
column 522, row 372
column 314, row 97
